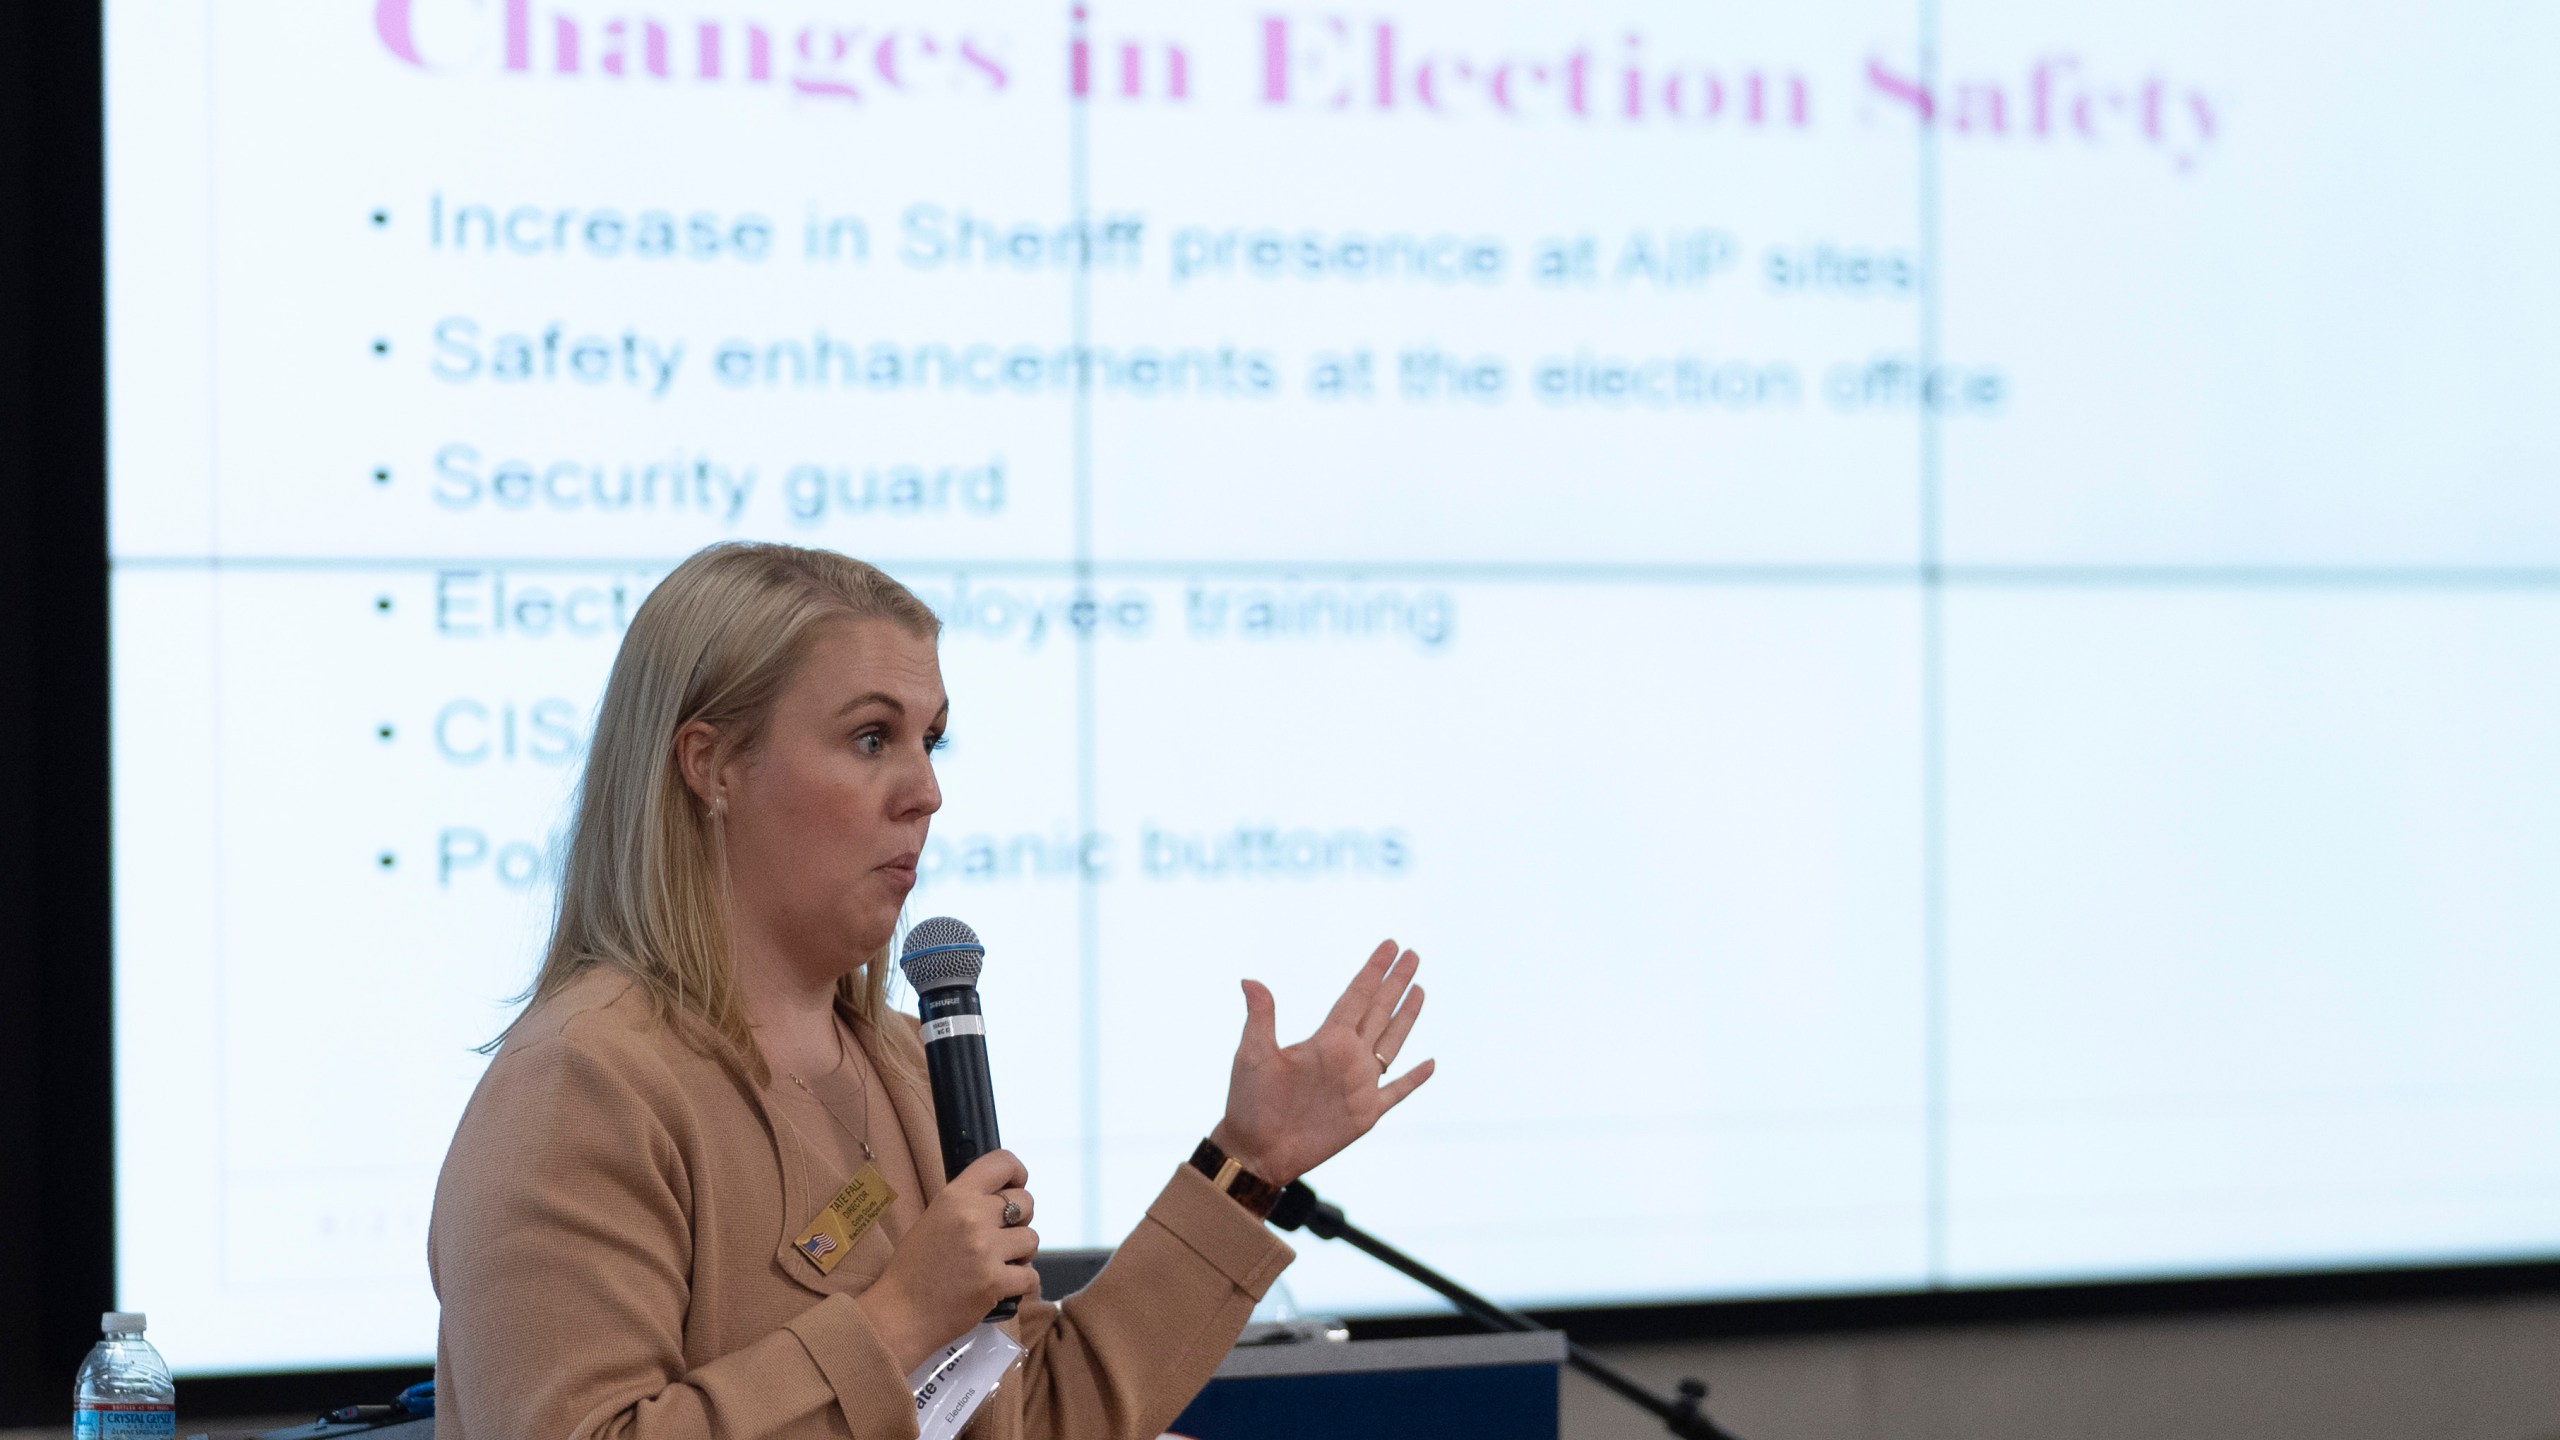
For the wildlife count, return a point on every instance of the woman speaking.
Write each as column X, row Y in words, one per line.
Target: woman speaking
column 708, row 1062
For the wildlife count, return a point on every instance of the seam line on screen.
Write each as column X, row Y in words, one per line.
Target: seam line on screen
column 1946, row 576
column 1088, row 807
column 221, row 957
column 1933, row 747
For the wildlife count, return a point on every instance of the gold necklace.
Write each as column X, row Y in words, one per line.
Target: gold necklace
column 862, row 1137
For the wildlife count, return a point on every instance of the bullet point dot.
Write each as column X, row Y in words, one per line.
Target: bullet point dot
column 382, row 603
column 383, row 730
column 381, row 347
column 381, row 217
column 385, row 860
column 381, row 475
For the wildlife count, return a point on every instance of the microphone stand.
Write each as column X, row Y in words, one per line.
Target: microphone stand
column 1685, row 1417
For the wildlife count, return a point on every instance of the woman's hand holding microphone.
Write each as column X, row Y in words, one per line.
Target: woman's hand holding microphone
column 972, row 1248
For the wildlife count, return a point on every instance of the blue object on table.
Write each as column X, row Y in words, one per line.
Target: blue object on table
column 1484, row 1387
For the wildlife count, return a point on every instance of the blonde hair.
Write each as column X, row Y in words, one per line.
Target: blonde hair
column 644, row 888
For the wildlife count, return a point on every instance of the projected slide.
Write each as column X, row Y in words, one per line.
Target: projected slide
column 1942, row 622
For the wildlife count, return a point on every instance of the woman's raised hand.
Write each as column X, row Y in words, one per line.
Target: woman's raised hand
column 1290, row 1110
column 958, row 1261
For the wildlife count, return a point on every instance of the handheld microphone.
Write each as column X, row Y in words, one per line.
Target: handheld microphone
column 941, row 960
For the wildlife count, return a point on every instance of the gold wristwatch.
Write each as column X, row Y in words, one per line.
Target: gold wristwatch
column 1241, row 1185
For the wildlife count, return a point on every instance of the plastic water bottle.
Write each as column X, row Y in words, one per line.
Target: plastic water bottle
column 124, row 1391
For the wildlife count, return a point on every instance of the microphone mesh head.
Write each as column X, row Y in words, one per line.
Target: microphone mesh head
column 941, row 952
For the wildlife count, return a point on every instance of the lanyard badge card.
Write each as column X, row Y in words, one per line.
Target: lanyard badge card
column 951, row 1386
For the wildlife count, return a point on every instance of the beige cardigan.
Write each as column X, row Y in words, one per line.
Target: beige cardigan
column 612, row 1248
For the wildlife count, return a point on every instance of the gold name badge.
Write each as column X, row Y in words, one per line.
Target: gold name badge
column 842, row 1224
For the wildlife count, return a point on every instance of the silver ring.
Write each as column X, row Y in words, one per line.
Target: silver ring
column 1012, row 1214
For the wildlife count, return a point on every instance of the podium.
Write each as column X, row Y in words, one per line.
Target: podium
column 1484, row 1387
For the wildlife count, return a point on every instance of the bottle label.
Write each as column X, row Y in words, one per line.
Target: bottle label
column 104, row 1420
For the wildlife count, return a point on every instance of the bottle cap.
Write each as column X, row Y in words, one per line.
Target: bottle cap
column 115, row 1321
